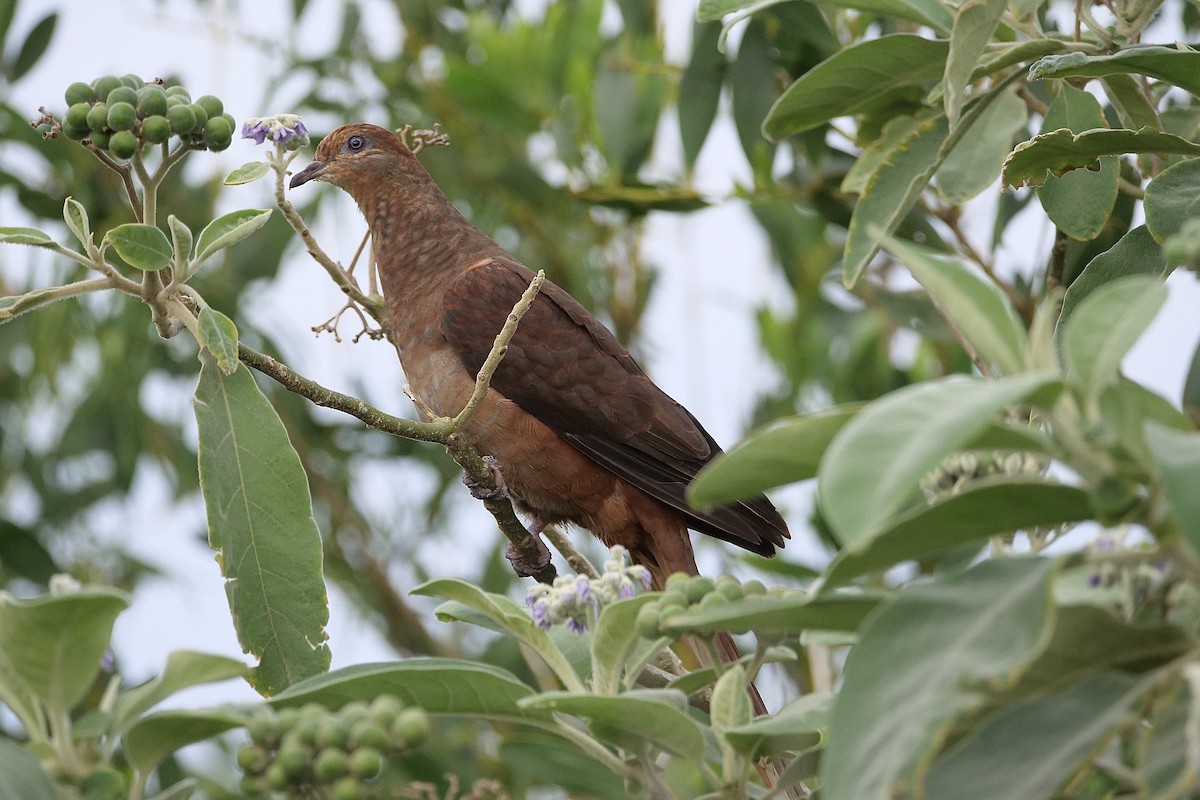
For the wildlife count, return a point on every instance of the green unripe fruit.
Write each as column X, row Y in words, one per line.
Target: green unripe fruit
column 385, row 709
column 177, row 100
column 411, row 727
column 276, row 777
column 102, row 86
column 212, row 106
column 754, row 588
column 232, row 122
column 668, row 610
column 331, row 764
column 252, row 759
column 100, row 140
column 251, row 785
column 713, row 600
column 346, row 789
column 76, row 134
column 122, row 117
column 730, row 589
column 647, row 621
column 368, row 733
column 261, row 729
column 151, row 101
column 777, row 591
column 201, row 115
column 177, row 91
column 679, row 579
column 123, row 144
column 157, row 130
column 294, row 759
column 353, row 712
column 698, row 587
column 218, row 135
column 306, row 729
column 79, row 92
column 366, row 763
column 333, row 733
column 675, row 596
column 77, row 114
column 122, row 94
column 182, row 119
column 97, row 117
column 287, row 716
column 103, row 784
column 134, row 82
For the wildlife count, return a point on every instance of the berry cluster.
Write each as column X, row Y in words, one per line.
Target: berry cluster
column 121, row 115
column 296, row 750
column 695, row 591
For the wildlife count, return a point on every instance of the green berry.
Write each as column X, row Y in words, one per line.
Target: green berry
column 151, row 101
column 177, row 100
column 755, row 588
column 333, row 733
column 79, row 92
column 730, row 587
column 411, row 727
column 76, row 134
column 123, row 144
column 294, row 758
column 385, row 708
column 157, row 130
column 100, row 140
column 698, row 587
column 77, row 114
column 347, row 789
column 122, row 94
column 103, row 784
column 134, row 82
column 201, row 115
column 177, row 91
column 679, row 579
column 277, row 778
column 252, row 785
column 122, row 117
column 102, row 86
column 366, row 763
column 351, row 713
column 777, row 591
column 368, row 733
column 182, row 119
column 262, row 729
column 97, row 118
column 252, row 759
column 287, row 716
column 232, row 122
column 713, row 600
column 306, row 730
column 331, row 764
column 667, row 610
column 212, row 106
column 647, row 621
column 217, row 134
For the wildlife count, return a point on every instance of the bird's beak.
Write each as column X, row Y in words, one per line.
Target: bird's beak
column 312, row 171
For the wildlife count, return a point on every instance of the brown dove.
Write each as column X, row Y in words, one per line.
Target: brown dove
column 576, row 429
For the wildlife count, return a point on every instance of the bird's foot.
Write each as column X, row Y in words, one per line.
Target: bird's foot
column 522, row 567
column 481, row 492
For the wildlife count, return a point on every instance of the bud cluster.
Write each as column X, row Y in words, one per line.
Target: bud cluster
column 576, row 600
column 311, row 750
column 121, row 115
column 961, row 468
column 684, row 592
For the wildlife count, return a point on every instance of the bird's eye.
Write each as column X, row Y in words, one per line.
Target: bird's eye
column 356, row 142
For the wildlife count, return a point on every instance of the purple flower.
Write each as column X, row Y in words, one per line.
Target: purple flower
column 282, row 129
column 541, row 610
column 583, row 591
column 644, row 574
column 626, row 590
column 255, row 129
column 576, row 625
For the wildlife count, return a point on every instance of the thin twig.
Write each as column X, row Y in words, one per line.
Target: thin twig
column 575, row 559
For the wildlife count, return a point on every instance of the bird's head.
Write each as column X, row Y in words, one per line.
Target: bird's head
column 353, row 155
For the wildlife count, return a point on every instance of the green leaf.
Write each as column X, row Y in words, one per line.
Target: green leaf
column 1032, row 749
column 988, row 507
column 1105, row 325
column 973, row 164
column 891, row 192
column 153, row 738
column 1170, row 753
column 217, row 333
column 729, row 708
column 143, row 247
column 1179, row 67
column 1079, row 202
column 643, row 198
column 34, row 46
column 21, row 774
column 698, row 679
column 700, row 89
column 974, row 23
column 782, row 452
column 856, row 79
column 53, row 644
column 510, row 617
column 247, row 173
column 228, row 230
column 1177, row 455
column 14, row 306
column 896, row 132
column 438, row 685
column 260, row 521
column 924, row 660
column 713, row 10
column 934, row 14
column 76, row 217
column 1129, row 99
column 796, row 728
column 1172, row 199
column 181, row 240
column 777, row 616
column 1126, row 407
column 184, row 669
column 1135, row 253
column 1061, row 151
column 974, row 305
column 613, row 640
column 641, row 714
column 180, row 791
column 873, row 466
column 30, row 236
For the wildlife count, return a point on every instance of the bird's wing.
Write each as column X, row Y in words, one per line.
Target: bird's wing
column 569, row 371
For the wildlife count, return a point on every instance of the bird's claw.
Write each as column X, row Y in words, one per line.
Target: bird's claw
column 522, row 567
column 481, row 492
